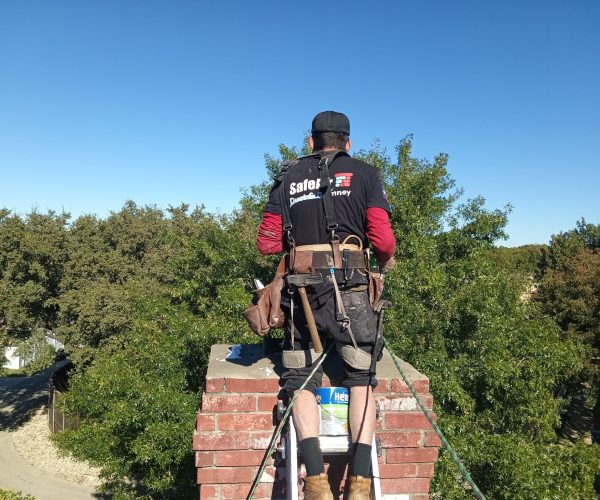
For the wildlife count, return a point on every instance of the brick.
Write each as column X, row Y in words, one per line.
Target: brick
column 399, row 439
column 222, row 475
column 391, row 471
column 236, row 491
column 260, row 440
column 396, row 403
column 405, row 485
column 421, row 386
column 208, row 492
column 427, row 400
column 270, row 385
column 228, row 403
column 266, row 403
column 221, row 441
column 204, row 458
column 425, row 470
column 430, row 438
column 205, row 422
column 245, row 422
column 402, row 455
column 406, row 420
column 383, row 385
column 214, row 385
column 238, row 458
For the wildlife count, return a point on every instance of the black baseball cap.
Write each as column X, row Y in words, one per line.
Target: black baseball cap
column 330, row 121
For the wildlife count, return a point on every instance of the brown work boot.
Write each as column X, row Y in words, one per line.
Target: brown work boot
column 360, row 488
column 317, row 488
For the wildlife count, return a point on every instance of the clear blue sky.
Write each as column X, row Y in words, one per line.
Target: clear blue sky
column 170, row 102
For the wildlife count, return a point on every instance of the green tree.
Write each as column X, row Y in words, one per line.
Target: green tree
column 495, row 362
column 526, row 259
column 32, row 258
column 569, row 292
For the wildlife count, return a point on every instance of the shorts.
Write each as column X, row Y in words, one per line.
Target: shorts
column 363, row 322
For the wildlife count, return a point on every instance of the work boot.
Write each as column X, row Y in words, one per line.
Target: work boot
column 317, row 488
column 360, row 488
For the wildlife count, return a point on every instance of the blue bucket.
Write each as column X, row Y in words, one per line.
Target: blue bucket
column 333, row 410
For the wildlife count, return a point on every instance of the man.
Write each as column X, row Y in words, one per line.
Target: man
column 341, row 304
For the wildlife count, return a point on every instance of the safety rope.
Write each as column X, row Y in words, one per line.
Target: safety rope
column 461, row 467
column 283, row 421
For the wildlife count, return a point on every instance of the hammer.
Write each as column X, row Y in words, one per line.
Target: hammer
column 301, row 281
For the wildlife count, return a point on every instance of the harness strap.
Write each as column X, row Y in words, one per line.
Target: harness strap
column 341, row 310
column 285, row 215
column 324, row 162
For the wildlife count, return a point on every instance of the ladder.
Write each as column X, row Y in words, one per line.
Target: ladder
column 330, row 445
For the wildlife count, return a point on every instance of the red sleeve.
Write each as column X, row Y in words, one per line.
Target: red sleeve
column 380, row 233
column 270, row 234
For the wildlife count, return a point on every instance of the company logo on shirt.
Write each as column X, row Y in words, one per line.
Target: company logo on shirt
column 309, row 189
column 305, row 190
column 343, row 180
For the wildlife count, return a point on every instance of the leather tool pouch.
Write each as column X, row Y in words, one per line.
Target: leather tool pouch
column 303, row 262
column 375, row 288
column 265, row 312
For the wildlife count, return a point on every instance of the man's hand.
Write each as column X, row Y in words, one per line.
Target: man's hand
column 387, row 265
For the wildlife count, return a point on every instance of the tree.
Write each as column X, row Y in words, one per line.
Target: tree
column 32, row 258
column 569, row 292
column 495, row 363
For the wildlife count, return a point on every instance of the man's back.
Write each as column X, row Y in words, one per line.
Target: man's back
column 355, row 187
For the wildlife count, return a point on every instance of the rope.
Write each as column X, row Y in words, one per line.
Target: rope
column 282, row 422
column 461, row 467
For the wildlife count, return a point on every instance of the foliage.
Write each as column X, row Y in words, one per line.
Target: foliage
column 525, row 259
column 495, row 363
column 135, row 404
column 36, row 352
column 13, row 372
column 138, row 392
column 570, row 286
column 14, row 495
column 32, row 256
column 569, row 292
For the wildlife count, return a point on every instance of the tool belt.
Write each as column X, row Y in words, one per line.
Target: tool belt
column 308, row 258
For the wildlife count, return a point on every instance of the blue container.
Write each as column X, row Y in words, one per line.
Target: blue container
column 333, row 409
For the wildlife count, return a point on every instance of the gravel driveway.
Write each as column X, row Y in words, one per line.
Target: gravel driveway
column 21, row 401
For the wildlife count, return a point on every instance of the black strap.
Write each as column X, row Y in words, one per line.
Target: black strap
column 287, row 221
column 325, row 159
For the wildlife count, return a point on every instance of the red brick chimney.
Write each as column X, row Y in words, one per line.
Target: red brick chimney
column 236, row 421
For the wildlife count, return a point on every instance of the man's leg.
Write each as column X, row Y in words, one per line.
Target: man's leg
column 362, row 414
column 362, row 426
column 306, row 415
column 306, row 420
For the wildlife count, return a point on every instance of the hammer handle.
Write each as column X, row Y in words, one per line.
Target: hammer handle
column 310, row 319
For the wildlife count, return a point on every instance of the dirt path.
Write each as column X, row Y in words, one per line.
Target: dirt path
column 20, row 399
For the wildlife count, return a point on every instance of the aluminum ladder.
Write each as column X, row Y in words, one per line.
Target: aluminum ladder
column 330, row 445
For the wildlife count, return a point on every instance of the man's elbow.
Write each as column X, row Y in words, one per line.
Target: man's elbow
column 269, row 247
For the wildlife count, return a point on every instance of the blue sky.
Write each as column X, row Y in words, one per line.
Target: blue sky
column 171, row 102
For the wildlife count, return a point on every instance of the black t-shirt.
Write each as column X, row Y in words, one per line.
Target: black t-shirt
column 356, row 186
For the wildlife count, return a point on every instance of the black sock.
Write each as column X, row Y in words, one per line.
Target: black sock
column 313, row 457
column 361, row 460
